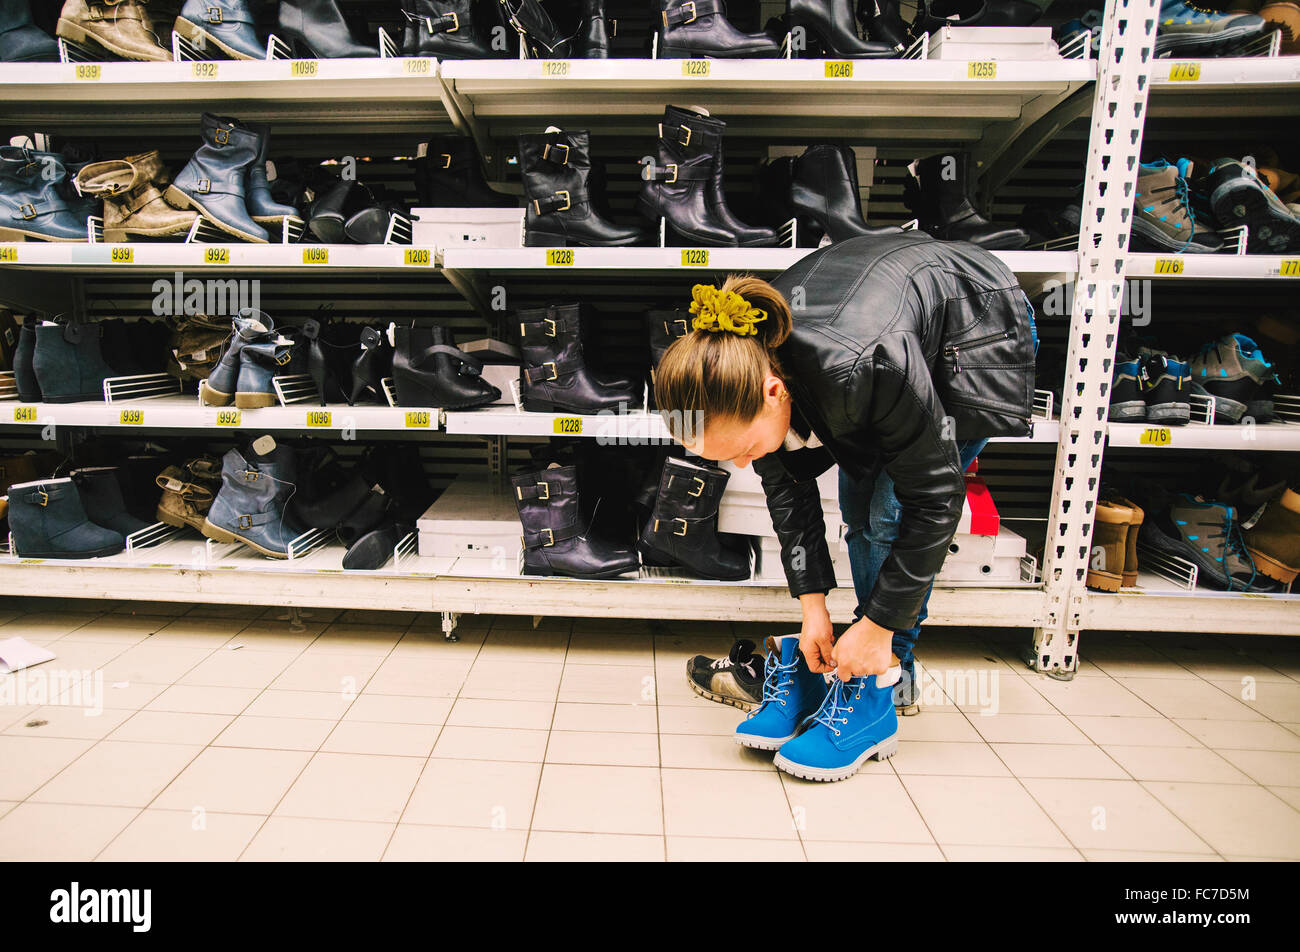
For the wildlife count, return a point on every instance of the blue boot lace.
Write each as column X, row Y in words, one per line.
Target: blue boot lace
column 836, row 705
column 777, row 678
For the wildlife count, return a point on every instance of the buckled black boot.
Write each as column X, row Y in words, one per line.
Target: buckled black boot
column 663, row 327
column 29, row 386
column 595, row 30
column 215, row 180
column 825, row 196
column 539, row 34
column 680, row 186
column 451, row 176
column 316, row 30
column 101, row 497
column 555, row 540
column 372, row 365
column 373, row 549
column 882, row 21
column 256, row 486
column 429, row 370
column 554, row 377
column 48, row 521
column 69, row 364
column 556, row 168
column 690, row 29
column 683, row 527
column 747, row 236
column 21, row 41
column 938, row 195
column 831, row 23
column 327, row 491
column 446, row 29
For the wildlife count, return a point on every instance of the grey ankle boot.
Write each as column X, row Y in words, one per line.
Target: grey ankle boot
column 101, row 497
column 250, row 327
column 259, row 363
column 69, row 363
column 215, row 181
column 255, row 491
column 48, row 522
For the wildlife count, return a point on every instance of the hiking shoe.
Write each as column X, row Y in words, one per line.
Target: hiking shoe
column 1233, row 371
column 855, row 722
column 1127, row 405
column 1208, row 535
column 1186, row 29
column 791, row 694
column 1163, row 218
column 1166, row 385
column 1239, row 197
column 736, row 679
column 1273, row 541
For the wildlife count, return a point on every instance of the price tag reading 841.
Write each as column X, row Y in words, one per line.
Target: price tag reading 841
column 1156, row 436
column 24, row 414
column 8, row 253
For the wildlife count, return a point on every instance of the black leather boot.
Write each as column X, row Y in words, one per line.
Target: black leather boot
column 595, row 29
column 430, row 371
column 882, row 21
column 331, row 351
column 539, row 34
column 663, row 328
column 1011, row 13
column 331, row 212
column 446, row 29
column 690, row 29
column 29, row 386
column 69, row 363
column 316, row 30
column 48, row 521
column 939, row 197
column 372, row 365
column 683, row 528
column 933, row 15
column 556, row 540
column 215, row 181
column 556, row 168
column 375, row 224
column 825, row 195
column 327, row 490
column 747, row 236
column 679, row 187
column 373, row 549
column 101, row 497
column 451, row 176
column 554, row 377
column 831, row 23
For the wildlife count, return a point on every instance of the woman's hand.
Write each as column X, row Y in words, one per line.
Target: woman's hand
column 817, row 637
column 864, row 649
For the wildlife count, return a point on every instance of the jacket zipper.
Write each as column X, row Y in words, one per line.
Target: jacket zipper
column 953, row 351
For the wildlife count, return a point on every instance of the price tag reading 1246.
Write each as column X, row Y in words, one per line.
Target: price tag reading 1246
column 842, row 69
column 559, row 256
column 1156, row 436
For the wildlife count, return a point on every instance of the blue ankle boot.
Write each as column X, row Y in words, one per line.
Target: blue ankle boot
column 855, row 722
column 791, row 693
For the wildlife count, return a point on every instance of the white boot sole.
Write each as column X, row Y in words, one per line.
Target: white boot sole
column 881, row 751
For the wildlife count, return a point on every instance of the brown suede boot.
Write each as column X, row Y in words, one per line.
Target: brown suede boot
column 1130, row 573
column 188, row 492
column 132, row 189
column 1274, row 540
column 1110, row 527
column 123, row 27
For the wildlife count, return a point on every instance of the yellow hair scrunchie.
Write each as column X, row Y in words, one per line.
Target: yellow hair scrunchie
column 716, row 310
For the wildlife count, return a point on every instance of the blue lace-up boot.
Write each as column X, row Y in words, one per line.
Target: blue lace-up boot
column 791, row 693
column 855, row 722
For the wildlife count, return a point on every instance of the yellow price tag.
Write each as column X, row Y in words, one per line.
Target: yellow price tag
column 204, row 70
column 698, row 67
column 567, row 426
column 417, row 256
column 982, row 69
column 228, row 418
column 1156, row 436
column 132, row 417
column 124, row 254
column 8, row 253
column 559, row 256
column 87, row 71
column 840, row 69
column 318, row 418
column 1184, row 72
column 24, row 414
column 695, row 257
column 417, row 67
column 417, row 418
column 301, row 69
column 555, row 67
column 315, row 256
column 216, row 256
column 1290, row 267
column 1169, row 266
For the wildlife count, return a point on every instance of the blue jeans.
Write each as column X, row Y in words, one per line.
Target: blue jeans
column 871, row 512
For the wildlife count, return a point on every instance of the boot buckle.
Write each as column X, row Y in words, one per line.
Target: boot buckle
column 455, row 22
column 285, row 358
column 204, row 186
column 551, row 328
column 673, row 166
column 214, row 15
column 694, row 15
column 555, row 375
column 245, row 522
column 446, row 160
column 551, row 541
column 679, row 518
column 699, row 492
column 45, row 497
column 567, row 202
column 221, row 136
column 28, row 210
column 678, row 321
column 546, row 153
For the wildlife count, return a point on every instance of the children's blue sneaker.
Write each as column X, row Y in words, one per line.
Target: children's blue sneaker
column 791, row 693
column 855, row 722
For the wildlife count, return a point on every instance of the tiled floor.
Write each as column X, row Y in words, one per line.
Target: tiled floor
column 229, row 733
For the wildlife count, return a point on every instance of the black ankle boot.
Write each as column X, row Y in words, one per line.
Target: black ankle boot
column 683, row 528
column 316, row 29
column 679, row 187
column 429, row 371
column 556, row 168
column 373, row 364
column 446, row 29
column 451, row 176
column 824, row 191
column 689, row 29
column 882, row 21
column 939, row 195
column 331, row 351
column 555, row 377
column 556, row 542
column 29, row 387
column 69, row 364
column 831, row 23
column 537, row 31
column 48, row 521
column 594, row 30
column 933, row 15
column 335, row 208
column 101, row 497
column 663, row 327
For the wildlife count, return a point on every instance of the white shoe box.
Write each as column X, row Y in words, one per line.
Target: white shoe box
column 980, row 559
column 746, row 482
column 981, row 43
column 474, row 517
column 501, row 376
column 468, row 227
column 754, row 519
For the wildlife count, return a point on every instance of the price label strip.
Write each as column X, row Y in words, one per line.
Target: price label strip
column 417, row 67
column 1184, row 72
column 567, row 426
column 318, row 418
column 24, row 414
column 418, row 418
column 554, row 68
column 204, row 70
column 982, row 69
column 1289, row 268
column 87, row 71
column 562, row 257
column 839, row 70
column 315, row 256
column 228, row 417
column 8, row 253
column 418, row 257
column 695, row 257
column 1156, row 436
column 216, row 256
column 1168, row 266
column 132, row 417
column 695, row 68
column 122, row 255
column 304, row 69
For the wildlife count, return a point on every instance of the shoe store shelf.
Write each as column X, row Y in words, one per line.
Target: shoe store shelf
column 1259, row 437
column 1172, row 265
column 900, row 99
column 186, row 413
column 372, row 93
column 1226, row 87
column 168, row 257
column 1196, row 609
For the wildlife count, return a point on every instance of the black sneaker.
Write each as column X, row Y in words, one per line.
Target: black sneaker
column 907, row 692
column 736, row 679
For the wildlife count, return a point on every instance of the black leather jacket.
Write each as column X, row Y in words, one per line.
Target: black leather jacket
column 902, row 345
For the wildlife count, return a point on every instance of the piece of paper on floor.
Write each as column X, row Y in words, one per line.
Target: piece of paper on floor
column 19, row 653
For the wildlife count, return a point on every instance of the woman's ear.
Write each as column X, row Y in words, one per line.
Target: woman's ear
column 774, row 391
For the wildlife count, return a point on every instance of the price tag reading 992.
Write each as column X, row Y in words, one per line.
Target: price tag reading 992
column 228, row 417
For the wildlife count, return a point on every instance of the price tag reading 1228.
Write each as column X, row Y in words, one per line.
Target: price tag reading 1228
column 559, row 256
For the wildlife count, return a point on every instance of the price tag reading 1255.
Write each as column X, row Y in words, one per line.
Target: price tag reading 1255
column 983, row 69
